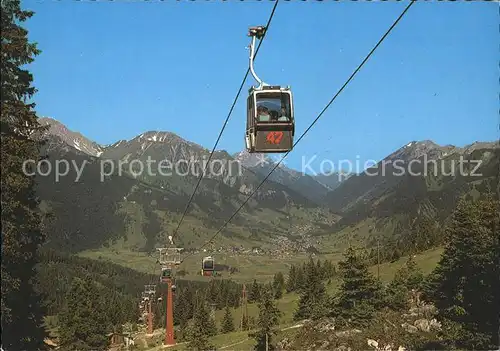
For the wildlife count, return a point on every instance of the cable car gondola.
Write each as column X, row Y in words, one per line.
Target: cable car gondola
column 207, row 266
column 270, row 126
column 166, row 274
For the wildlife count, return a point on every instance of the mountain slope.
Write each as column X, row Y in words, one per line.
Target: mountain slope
column 138, row 212
column 416, row 180
column 176, row 164
column 83, row 212
column 133, row 210
column 304, row 184
column 71, row 138
column 331, row 181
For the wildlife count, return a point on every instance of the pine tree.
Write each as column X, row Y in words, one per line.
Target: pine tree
column 83, row 322
column 407, row 278
column 313, row 296
column 328, row 269
column 464, row 285
column 278, row 285
column 227, row 321
column 213, row 292
column 267, row 288
column 21, row 306
column 359, row 295
column 159, row 312
column 201, row 329
column 245, row 323
column 183, row 309
column 269, row 316
column 251, row 322
column 319, row 270
column 299, row 278
column 254, row 293
column 202, row 312
column 291, row 281
column 424, row 234
column 413, row 274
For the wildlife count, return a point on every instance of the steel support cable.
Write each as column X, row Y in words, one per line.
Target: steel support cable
column 312, row 124
column 224, row 125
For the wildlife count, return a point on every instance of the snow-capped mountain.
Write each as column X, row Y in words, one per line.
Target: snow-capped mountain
column 71, row 138
column 305, row 184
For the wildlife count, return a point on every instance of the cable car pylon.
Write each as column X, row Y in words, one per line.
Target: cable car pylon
column 244, row 309
column 147, row 300
column 169, row 259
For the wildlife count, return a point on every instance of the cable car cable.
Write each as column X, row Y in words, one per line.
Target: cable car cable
column 223, row 127
column 314, row 122
column 225, row 123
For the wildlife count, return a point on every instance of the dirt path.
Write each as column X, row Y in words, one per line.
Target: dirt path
column 161, row 347
column 293, row 326
column 242, row 341
column 236, row 343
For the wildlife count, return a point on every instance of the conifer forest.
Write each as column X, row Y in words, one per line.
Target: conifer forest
column 370, row 263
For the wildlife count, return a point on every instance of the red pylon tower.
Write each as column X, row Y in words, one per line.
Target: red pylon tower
column 148, row 295
column 150, row 318
column 244, row 307
column 169, row 316
column 169, row 259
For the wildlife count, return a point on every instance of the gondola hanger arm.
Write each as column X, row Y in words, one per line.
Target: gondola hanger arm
column 255, row 32
column 258, row 32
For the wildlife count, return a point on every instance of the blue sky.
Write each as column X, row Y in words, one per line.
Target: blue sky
column 113, row 70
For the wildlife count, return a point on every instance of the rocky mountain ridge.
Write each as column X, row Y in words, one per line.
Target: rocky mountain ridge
column 160, row 145
column 143, row 208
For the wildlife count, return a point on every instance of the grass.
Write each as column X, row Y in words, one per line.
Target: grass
column 237, row 340
column 288, row 304
column 261, row 268
column 250, row 266
column 426, row 261
column 135, row 260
